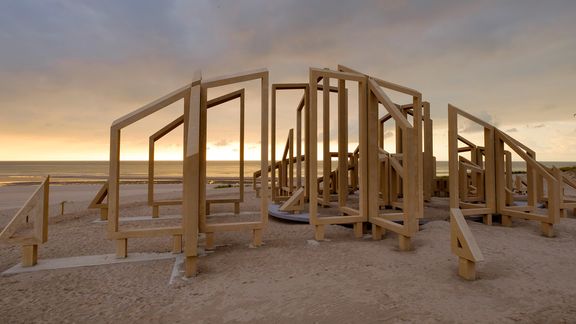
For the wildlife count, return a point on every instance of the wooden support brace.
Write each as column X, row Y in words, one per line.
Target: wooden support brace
column 487, row 219
column 29, row 255
column 256, row 237
column 155, row 211
column 177, row 244
column 466, row 269
column 209, row 241
column 122, row 248
column 236, row 208
column 547, row 229
column 104, row 214
column 377, row 232
column 190, row 266
column 319, row 232
column 404, row 243
column 506, row 221
column 358, row 230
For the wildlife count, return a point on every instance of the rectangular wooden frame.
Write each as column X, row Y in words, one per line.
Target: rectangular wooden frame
column 155, row 204
column 113, row 228
column 257, row 226
column 489, row 207
column 356, row 217
column 411, row 186
column 302, row 106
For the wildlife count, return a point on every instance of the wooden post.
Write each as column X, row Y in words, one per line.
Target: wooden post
column 177, row 244
column 342, row 143
column 209, row 241
column 29, row 255
column 122, row 248
column 326, row 159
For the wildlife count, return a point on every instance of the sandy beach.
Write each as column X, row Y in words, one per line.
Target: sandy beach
column 292, row 278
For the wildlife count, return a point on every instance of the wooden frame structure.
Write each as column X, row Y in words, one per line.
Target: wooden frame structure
column 121, row 236
column 194, row 204
column 482, row 165
column 154, row 203
column 351, row 216
column 491, row 171
column 35, row 210
column 428, row 160
column 255, row 226
column 409, row 169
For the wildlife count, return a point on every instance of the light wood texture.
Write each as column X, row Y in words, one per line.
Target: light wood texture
column 34, row 214
column 463, row 245
column 98, row 201
column 204, row 226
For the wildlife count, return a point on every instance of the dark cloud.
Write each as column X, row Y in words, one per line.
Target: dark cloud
column 69, row 68
column 512, row 130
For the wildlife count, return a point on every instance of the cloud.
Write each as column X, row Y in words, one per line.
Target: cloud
column 69, row 68
column 512, row 130
column 535, row 125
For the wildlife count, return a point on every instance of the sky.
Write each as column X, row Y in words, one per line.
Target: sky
column 68, row 69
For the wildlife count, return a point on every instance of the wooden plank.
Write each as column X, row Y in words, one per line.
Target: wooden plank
column 233, row 227
column 150, row 108
column 388, row 104
column 331, row 220
column 191, row 179
column 326, row 160
column 235, row 78
column 97, row 201
column 463, row 242
column 148, row 232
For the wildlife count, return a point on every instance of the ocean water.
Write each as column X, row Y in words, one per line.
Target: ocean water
column 97, row 171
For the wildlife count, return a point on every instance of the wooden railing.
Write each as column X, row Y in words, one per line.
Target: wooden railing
column 29, row 227
column 484, row 184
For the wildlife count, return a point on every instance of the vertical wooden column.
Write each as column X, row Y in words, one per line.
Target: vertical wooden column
column 307, row 175
column 242, row 130
column 453, row 157
column 490, row 173
column 272, row 147
column 428, row 153
column 299, row 145
column 264, row 147
column 531, row 176
column 29, row 255
column 417, row 107
column 202, row 138
column 369, row 153
column 326, row 159
column 191, row 190
column 113, row 191
column 312, row 157
column 500, row 176
column 291, row 161
column 342, row 143
column 508, row 158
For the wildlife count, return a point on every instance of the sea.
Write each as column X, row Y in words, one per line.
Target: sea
column 68, row 172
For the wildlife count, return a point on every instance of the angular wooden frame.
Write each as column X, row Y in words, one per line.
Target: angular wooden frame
column 356, row 217
column 257, row 226
column 463, row 245
column 455, row 163
column 410, row 171
column 35, row 209
column 155, row 204
column 98, row 201
column 114, row 230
